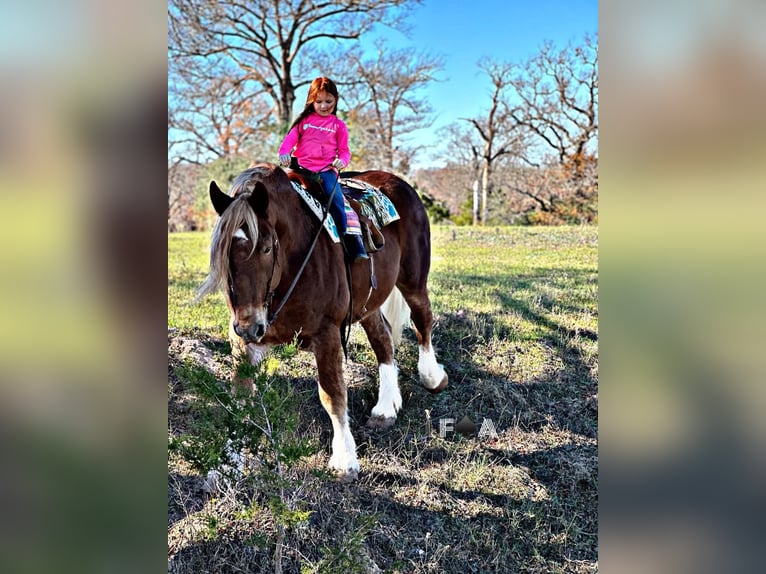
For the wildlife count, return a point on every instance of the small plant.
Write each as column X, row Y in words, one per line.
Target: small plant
column 348, row 558
column 228, row 422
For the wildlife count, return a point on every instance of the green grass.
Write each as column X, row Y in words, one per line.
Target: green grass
column 188, row 257
column 516, row 313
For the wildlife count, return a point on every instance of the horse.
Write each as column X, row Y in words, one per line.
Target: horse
column 262, row 242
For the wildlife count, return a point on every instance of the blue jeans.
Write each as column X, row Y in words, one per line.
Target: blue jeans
column 337, row 209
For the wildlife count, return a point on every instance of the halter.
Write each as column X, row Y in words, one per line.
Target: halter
column 267, row 299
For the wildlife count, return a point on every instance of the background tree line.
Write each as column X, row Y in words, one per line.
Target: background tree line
column 235, row 68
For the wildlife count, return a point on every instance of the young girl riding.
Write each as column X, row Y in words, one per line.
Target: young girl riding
column 319, row 140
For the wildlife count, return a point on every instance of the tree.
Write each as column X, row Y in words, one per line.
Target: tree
column 542, row 114
column 558, row 94
column 457, row 179
column 385, row 106
column 212, row 114
column 264, row 45
column 496, row 130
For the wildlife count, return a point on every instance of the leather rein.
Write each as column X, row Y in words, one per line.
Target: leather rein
column 270, row 294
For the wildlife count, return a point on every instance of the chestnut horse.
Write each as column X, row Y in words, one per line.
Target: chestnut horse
column 259, row 245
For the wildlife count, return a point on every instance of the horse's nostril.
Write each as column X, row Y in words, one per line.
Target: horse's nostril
column 237, row 330
column 260, row 330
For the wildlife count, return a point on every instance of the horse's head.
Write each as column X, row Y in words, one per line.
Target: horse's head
column 244, row 256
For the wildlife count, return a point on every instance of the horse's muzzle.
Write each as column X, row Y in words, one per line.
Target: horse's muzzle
column 253, row 333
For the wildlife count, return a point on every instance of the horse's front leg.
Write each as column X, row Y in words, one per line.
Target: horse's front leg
column 389, row 397
column 332, row 394
column 254, row 354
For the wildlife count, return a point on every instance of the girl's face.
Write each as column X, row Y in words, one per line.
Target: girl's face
column 324, row 103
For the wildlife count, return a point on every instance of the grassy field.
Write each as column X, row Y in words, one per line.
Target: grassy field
column 516, row 329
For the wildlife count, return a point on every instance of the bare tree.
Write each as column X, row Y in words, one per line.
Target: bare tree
column 266, row 44
column 543, row 114
column 212, row 113
column 385, row 106
column 496, row 130
column 558, row 95
column 463, row 167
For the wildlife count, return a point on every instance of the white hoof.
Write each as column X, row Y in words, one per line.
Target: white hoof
column 344, row 467
column 389, row 396
column 432, row 374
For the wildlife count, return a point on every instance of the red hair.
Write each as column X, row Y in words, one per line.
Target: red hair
column 320, row 84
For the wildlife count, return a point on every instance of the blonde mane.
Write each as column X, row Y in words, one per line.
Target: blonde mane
column 236, row 216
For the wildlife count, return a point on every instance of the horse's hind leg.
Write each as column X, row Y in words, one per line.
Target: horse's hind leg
column 432, row 374
column 389, row 398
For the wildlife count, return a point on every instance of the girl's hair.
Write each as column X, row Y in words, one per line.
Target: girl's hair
column 321, row 84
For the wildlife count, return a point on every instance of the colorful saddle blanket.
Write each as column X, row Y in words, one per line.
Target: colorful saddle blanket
column 374, row 205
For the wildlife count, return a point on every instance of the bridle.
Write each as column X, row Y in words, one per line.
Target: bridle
column 270, row 294
column 268, row 299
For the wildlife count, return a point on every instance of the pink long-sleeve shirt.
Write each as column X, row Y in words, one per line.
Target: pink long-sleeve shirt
column 318, row 141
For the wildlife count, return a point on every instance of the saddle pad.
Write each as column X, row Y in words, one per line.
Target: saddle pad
column 353, row 226
column 375, row 204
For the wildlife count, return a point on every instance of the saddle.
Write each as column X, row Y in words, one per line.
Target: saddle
column 360, row 196
column 371, row 236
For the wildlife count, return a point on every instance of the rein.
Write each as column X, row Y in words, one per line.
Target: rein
column 289, row 292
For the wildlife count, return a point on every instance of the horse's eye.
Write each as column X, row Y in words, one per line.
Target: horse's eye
column 267, row 250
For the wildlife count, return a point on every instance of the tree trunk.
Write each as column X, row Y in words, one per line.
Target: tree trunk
column 485, row 183
column 476, row 202
column 285, row 107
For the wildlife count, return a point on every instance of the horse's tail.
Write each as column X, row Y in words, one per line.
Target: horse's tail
column 397, row 313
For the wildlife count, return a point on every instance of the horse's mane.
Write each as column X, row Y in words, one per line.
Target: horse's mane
column 236, row 216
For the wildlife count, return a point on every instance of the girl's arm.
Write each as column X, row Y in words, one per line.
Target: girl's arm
column 290, row 141
column 344, row 154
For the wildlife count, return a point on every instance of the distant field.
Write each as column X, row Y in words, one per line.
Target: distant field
column 516, row 313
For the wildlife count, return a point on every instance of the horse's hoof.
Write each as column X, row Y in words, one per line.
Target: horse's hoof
column 347, row 476
column 440, row 388
column 380, row 422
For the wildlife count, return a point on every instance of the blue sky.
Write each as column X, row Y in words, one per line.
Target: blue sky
column 463, row 31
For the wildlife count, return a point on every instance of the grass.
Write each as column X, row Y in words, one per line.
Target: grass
column 516, row 329
column 188, row 257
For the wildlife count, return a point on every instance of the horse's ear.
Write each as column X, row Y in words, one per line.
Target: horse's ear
column 259, row 199
column 220, row 200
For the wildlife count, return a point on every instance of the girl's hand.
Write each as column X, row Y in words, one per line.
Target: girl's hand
column 338, row 164
column 284, row 159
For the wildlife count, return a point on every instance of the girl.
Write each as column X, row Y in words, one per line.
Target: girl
column 319, row 140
